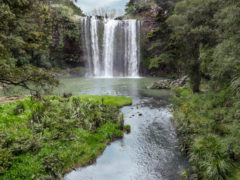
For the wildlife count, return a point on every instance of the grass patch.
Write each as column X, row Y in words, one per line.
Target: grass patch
column 45, row 139
column 107, row 100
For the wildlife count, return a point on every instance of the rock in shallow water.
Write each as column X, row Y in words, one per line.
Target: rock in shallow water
column 168, row 83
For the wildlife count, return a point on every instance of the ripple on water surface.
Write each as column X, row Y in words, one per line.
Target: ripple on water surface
column 150, row 151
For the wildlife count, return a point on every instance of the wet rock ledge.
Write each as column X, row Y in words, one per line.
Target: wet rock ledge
column 169, row 83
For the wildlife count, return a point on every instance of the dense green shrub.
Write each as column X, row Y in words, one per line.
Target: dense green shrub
column 127, row 128
column 44, row 139
column 208, row 129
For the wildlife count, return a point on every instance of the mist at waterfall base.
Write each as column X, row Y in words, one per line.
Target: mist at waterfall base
column 111, row 47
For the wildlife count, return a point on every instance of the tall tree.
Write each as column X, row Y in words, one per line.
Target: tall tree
column 25, row 38
column 194, row 28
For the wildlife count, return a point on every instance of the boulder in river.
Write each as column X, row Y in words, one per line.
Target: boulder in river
column 168, row 83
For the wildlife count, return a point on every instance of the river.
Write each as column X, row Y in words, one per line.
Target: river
column 150, row 151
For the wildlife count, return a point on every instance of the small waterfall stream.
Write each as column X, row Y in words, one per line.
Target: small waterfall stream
column 112, row 47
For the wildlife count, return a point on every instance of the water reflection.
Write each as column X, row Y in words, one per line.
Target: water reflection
column 150, row 151
column 118, row 86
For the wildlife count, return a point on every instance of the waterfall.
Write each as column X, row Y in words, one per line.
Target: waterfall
column 85, row 22
column 95, row 47
column 109, row 34
column 133, row 47
column 111, row 47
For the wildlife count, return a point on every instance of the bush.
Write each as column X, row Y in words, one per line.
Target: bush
column 44, row 139
column 208, row 129
column 127, row 128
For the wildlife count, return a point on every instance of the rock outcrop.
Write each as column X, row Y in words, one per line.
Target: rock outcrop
column 168, row 83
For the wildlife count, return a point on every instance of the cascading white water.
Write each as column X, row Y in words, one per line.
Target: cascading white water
column 86, row 41
column 133, row 49
column 95, row 47
column 109, row 34
column 112, row 47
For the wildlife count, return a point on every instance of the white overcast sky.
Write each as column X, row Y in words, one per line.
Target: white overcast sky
column 88, row 5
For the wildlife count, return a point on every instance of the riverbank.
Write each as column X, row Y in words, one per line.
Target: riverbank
column 151, row 150
column 47, row 138
column 208, row 130
column 12, row 99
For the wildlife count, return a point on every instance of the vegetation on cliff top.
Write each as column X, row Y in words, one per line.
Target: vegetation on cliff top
column 45, row 139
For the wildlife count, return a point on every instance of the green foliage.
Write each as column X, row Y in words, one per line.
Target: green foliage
column 45, row 139
column 210, row 156
column 127, row 128
column 208, row 129
column 118, row 101
column 236, row 175
column 137, row 7
column 201, row 39
column 34, row 79
column 28, row 37
column 63, row 11
column 197, row 38
column 66, row 49
column 162, row 49
column 226, row 64
column 70, row 4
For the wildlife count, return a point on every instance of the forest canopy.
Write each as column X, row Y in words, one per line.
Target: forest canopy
column 27, row 40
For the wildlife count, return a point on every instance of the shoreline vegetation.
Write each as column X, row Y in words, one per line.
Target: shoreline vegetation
column 48, row 138
column 208, row 125
column 199, row 39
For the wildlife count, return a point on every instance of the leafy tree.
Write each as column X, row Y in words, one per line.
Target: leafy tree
column 27, row 39
column 163, row 50
column 226, row 65
column 135, row 7
column 194, row 27
column 29, row 77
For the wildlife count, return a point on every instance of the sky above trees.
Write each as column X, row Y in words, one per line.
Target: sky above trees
column 88, row 5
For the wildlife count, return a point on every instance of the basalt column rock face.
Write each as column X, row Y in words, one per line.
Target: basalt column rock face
column 112, row 47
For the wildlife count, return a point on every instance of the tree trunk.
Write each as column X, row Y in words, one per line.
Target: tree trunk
column 195, row 77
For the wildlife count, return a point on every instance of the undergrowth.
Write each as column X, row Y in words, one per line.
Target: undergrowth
column 45, row 139
column 208, row 127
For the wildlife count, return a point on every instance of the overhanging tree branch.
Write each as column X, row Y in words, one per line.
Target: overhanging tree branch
column 28, row 77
